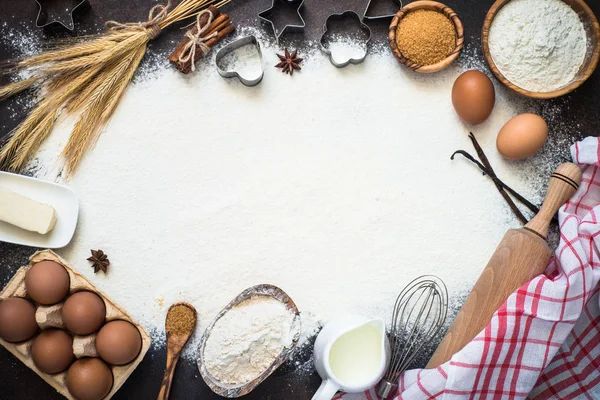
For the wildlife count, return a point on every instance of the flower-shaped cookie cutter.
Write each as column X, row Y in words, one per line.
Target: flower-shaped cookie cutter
column 334, row 18
column 268, row 14
column 370, row 5
column 229, row 48
column 42, row 20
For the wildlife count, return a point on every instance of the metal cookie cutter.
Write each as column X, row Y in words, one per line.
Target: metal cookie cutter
column 42, row 20
column 267, row 16
column 384, row 16
column 333, row 18
column 236, row 44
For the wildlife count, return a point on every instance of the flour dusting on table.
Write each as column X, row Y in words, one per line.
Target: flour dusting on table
column 334, row 184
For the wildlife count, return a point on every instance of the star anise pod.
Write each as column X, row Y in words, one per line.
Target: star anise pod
column 100, row 261
column 289, row 62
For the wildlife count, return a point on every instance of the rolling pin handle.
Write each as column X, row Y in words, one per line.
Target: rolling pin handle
column 564, row 182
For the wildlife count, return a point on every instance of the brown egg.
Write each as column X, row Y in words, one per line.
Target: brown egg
column 522, row 136
column 89, row 379
column 47, row 282
column 52, row 351
column 118, row 342
column 83, row 313
column 473, row 97
column 17, row 320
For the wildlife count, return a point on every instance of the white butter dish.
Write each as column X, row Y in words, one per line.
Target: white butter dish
column 62, row 198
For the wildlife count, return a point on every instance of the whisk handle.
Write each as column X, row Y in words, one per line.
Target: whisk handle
column 386, row 389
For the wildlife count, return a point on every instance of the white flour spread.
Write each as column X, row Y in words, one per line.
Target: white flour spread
column 247, row 339
column 538, row 45
column 335, row 185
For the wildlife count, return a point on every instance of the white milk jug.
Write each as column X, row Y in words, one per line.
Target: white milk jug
column 351, row 354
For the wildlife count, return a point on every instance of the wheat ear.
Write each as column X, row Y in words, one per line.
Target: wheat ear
column 25, row 129
column 99, row 106
column 11, row 89
column 33, row 141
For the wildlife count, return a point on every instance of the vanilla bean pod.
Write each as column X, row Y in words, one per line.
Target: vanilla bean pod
column 502, row 187
column 533, row 208
column 492, row 174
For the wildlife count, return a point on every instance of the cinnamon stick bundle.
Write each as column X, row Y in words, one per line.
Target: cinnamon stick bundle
column 221, row 25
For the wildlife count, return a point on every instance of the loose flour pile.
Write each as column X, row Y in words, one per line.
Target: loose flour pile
column 335, row 185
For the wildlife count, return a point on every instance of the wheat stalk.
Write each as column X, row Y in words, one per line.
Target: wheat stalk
column 11, row 89
column 86, row 76
column 33, row 141
column 99, row 104
column 62, row 53
column 11, row 155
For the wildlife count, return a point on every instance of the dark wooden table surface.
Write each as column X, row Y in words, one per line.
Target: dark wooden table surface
column 579, row 110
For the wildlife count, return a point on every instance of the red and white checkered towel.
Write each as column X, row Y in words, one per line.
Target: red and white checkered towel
column 544, row 342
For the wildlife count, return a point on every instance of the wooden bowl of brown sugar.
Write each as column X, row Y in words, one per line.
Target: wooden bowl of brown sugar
column 426, row 36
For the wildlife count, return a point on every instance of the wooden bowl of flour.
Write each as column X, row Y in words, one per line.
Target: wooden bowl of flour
column 256, row 292
column 592, row 31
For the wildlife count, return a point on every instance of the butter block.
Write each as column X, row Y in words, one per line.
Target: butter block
column 26, row 213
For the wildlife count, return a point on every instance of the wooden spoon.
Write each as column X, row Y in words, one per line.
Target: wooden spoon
column 175, row 343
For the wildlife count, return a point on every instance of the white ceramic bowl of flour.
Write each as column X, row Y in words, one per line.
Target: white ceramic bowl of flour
column 541, row 48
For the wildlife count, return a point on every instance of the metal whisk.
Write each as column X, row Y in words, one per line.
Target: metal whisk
column 419, row 315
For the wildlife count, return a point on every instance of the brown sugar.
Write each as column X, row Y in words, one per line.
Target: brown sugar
column 180, row 320
column 425, row 37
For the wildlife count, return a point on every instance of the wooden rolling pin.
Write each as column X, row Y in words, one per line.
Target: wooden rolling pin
column 521, row 255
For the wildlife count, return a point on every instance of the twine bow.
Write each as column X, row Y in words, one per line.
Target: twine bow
column 152, row 27
column 196, row 40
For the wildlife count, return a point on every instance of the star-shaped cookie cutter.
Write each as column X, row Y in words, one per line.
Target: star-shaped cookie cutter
column 383, row 16
column 267, row 16
column 42, row 17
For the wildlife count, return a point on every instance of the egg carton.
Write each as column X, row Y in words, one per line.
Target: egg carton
column 50, row 316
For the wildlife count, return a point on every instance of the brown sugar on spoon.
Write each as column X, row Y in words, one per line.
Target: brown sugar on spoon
column 179, row 325
column 425, row 37
column 180, row 320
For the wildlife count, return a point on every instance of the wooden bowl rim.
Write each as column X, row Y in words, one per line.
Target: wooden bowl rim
column 592, row 63
column 427, row 5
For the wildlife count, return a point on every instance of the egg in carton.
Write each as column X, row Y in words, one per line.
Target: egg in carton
column 48, row 317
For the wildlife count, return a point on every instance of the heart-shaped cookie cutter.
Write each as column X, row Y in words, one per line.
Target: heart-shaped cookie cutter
column 236, row 44
column 339, row 17
column 42, row 17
